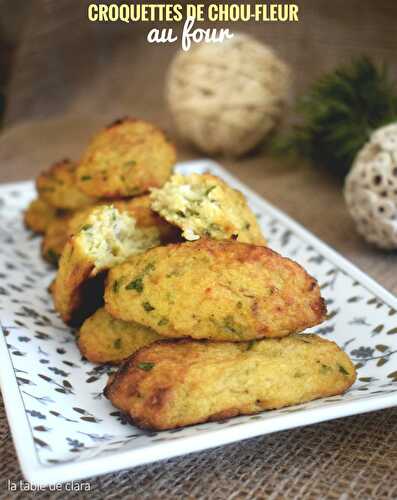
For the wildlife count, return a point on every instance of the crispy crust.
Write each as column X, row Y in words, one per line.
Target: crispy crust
column 220, row 290
column 73, row 284
column 176, row 383
column 104, row 339
column 126, row 159
column 205, row 206
column 58, row 187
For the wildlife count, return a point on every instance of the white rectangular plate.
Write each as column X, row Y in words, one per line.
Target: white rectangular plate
column 63, row 427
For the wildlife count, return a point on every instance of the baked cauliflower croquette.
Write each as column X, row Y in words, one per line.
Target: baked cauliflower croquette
column 205, row 206
column 58, row 187
column 104, row 339
column 57, row 235
column 219, row 290
column 54, row 240
column 106, row 238
column 126, row 159
column 175, row 383
column 39, row 215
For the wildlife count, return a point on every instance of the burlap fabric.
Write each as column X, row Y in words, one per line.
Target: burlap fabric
column 350, row 458
column 70, row 78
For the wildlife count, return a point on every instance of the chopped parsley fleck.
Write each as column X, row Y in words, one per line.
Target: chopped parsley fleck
column 85, row 178
column 148, row 306
column 211, row 188
column 145, row 366
column 163, row 321
column 180, row 213
column 149, row 267
column 191, row 212
column 117, row 344
column 250, row 344
column 174, row 272
column 136, row 284
column 86, row 227
column 342, row 369
column 116, row 286
column 325, row 369
column 231, row 326
column 52, row 257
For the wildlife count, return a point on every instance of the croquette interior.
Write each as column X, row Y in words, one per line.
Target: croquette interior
column 194, row 204
column 109, row 237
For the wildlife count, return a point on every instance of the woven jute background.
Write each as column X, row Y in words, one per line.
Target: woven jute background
column 69, row 78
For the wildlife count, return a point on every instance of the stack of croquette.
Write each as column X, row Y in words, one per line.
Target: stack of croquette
column 170, row 276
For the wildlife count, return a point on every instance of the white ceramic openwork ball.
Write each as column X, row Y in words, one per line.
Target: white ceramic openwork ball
column 371, row 188
column 225, row 97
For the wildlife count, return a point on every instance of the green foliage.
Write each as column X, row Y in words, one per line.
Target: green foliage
column 339, row 113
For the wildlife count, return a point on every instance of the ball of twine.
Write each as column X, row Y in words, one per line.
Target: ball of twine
column 225, row 97
column 371, row 188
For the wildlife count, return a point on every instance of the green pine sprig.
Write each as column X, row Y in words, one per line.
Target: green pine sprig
column 339, row 113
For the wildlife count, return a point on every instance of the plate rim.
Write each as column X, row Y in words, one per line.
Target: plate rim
column 47, row 475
